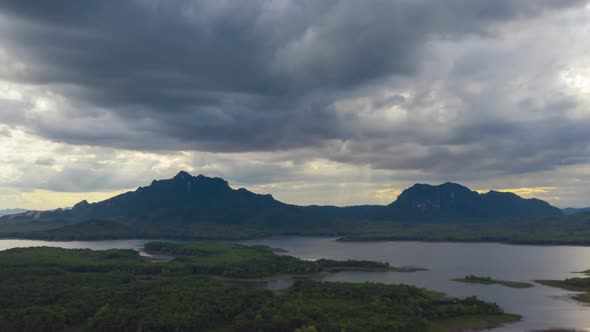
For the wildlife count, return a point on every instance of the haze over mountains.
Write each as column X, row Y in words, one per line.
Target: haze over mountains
column 11, row 211
column 186, row 198
column 571, row 210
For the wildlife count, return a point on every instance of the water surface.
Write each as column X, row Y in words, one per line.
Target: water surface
column 542, row 307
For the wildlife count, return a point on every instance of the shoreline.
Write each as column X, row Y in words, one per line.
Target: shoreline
column 505, row 283
column 506, row 242
column 583, row 293
column 335, row 238
column 321, row 273
column 464, row 325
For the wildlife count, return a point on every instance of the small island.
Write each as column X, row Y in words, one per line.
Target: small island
column 330, row 265
column 572, row 284
column 489, row 281
column 236, row 261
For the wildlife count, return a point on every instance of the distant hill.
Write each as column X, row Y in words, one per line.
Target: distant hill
column 11, row 211
column 570, row 210
column 191, row 199
column 450, row 200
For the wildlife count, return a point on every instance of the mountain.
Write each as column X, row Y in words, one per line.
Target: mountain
column 188, row 199
column 11, row 211
column 570, row 210
column 451, row 200
column 182, row 198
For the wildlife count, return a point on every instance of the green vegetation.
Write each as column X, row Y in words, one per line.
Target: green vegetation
column 53, row 289
column 473, row 323
column 239, row 261
column 489, row 281
column 350, row 264
column 230, row 260
column 376, row 307
column 330, row 265
column 572, row 284
column 75, row 260
column 100, row 229
column 571, row 230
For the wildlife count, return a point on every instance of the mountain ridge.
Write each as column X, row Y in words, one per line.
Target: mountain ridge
column 186, row 198
column 452, row 199
column 5, row 212
column 572, row 210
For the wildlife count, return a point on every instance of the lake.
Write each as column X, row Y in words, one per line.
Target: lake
column 542, row 307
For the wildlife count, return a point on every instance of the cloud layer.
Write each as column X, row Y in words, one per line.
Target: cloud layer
column 113, row 93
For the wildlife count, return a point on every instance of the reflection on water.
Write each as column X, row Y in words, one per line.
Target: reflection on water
column 542, row 307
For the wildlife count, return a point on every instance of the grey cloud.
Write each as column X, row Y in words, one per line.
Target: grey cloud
column 226, row 76
column 48, row 161
column 471, row 152
column 86, row 176
column 5, row 132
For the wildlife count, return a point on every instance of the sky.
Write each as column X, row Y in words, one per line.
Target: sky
column 315, row 102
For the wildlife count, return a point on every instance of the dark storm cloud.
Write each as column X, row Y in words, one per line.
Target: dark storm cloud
column 244, row 76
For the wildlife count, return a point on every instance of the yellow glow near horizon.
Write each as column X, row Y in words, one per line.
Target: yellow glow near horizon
column 387, row 195
column 524, row 191
column 47, row 200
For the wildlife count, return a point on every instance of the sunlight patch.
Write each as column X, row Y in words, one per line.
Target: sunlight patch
column 524, row 192
column 387, row 194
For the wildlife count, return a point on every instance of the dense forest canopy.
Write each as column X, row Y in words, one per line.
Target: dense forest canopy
column 54, row 289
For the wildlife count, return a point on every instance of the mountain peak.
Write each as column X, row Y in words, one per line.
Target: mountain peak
column 188, row 198
column 444, row 189
column 81, row 204
column 184, row 197
column 453, row 185
column 183, row 175
column 455, row 200
column 200, row 179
